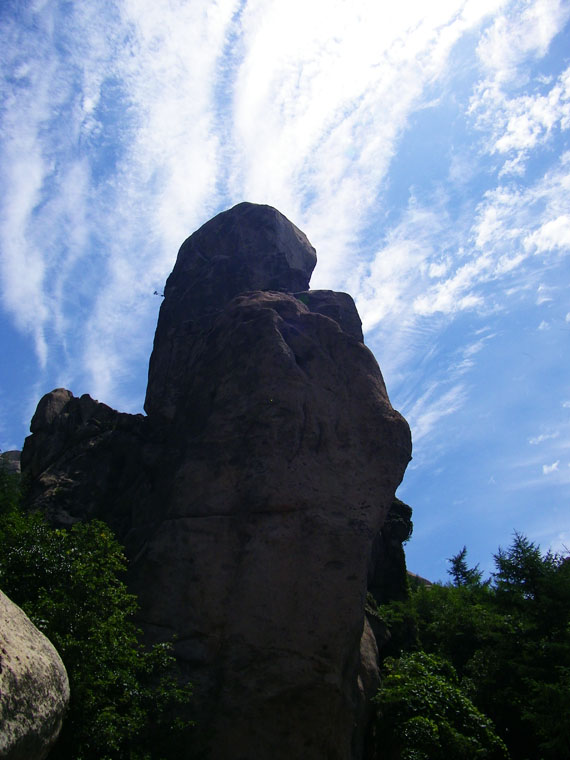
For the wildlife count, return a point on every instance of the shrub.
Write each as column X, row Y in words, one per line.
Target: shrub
column 124, row 698
column 424, row 715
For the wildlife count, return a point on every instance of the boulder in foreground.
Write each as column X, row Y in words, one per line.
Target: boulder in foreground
column 34, row 689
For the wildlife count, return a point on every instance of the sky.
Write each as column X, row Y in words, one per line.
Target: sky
column 422, row 147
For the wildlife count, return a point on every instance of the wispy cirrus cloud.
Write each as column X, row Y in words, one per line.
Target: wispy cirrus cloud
column 432, row 407
column 129, row 125
column 518, row 36
column 164, row 184
column 519, row 125
column 110, row 150
column 512, row 225
column 515, row 124
column 45, row 224
column 323, row 97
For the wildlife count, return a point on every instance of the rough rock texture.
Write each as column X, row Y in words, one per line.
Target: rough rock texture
column 10, row 460
column 367, row 684
column 249, row 247
column 34, row 690
column 387, row 574
column 250, row 497
column 86, row 460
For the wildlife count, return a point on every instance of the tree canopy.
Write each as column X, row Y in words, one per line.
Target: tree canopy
column 423, row 714
column 507, row 639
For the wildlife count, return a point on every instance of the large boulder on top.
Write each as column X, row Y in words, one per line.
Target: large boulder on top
column 34, row 689
column 266, row 468
column 249, row 247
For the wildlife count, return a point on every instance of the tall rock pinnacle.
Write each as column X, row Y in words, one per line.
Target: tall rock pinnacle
column 250, row 498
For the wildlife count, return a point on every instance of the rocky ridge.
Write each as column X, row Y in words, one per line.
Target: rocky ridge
column 251, row 496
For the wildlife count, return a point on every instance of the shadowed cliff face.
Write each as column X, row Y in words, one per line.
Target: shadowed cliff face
column 250, row 497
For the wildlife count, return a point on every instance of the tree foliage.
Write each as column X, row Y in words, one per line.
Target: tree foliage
column 461, row 573
column 9, row 490
column 124, row 698
column 508, row 638
column 424, row 715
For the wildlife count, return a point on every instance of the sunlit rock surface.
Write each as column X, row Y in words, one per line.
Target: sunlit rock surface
column 34, row 689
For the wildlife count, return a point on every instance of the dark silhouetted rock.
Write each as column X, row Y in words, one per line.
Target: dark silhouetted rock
column 249, row 247
column 338, row 306
column 267, row 466
column 34, row 689
column 387, row 573
column 86, row 460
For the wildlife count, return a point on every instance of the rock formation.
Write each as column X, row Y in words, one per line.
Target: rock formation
column 387, row 574
column 34, row 690
column 84, row 460
column 10, row 460
column 250, row 496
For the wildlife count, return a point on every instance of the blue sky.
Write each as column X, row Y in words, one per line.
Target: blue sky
column 422, row 147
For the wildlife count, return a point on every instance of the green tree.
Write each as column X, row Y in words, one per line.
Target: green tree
column 521, row 674
column 462, row 574
column 424, row 715
column 508, row 639
column 550, row 713
column 450, row 621
column 124, row 698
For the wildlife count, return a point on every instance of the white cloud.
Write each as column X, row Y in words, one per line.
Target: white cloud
column 385, row 286
column 525, row 220
column 468, row 353
column 542, row 437
column 515, row 166
column 547, row 469
column 44, row 222
column 435, row 404
column 529, row 120
column 553, row 234
column 520, row 34
column 452, row 295
column 312, row 98
column 544, row 294
column 511, row 224
column 122, row 140
column 517, row 124
column 111, row 156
